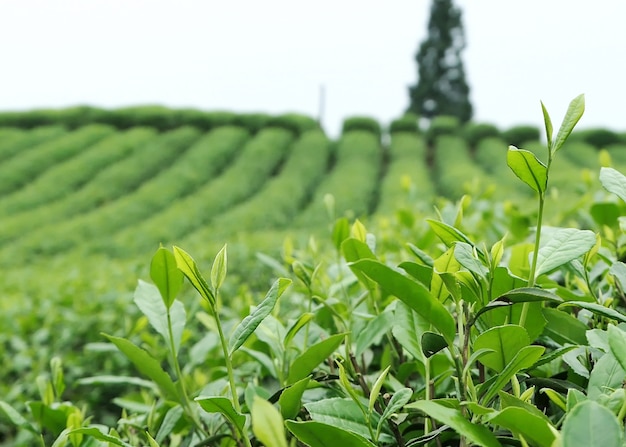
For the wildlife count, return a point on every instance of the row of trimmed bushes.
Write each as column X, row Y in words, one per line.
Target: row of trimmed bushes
column 407, row 182
column 54, row 223
column 159, row 117
column 24, row 167
column 63, row 179
column 282, row 197
column 352, row 182
column 13, row 141
column 236, row 180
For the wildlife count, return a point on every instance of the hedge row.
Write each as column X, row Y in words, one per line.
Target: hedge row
column 283, row 197
column 406, row 123
column 161, row 118
column 454, row 169
column 119, row 180
column 22, row 169
column 361, row 123
column 63, row 179
column 353, row 181
column 407, row 182
column 14, row 141
column 582, row 154
column 256, row 161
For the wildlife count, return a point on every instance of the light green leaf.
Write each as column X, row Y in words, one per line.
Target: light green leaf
column 373, row 332
column 548, row 124
column 614, row 182
column 146, row 365
column 524, row 358
column 167, row 277
column 464, row 253
column 597, row 309
column 617, row 343
column 528, row 168
column 520, row 295
column 303, row 365
column 476, row 434
column 290, row 399
column 399, row 399
column 224, row 406
column 535, row 429
column 98, row 434
column 375, row 392
column 170, row 420
column 447, row 233
column 219, row 268
column 505, row 342
column 564, row 328
column 252, row 321
column 149, row 301
column 267, row 423
column 15, row 418
column 353, row 250
column 574, row 113
column 606, row 376
column 296, row 326
column 589, row 423
column 564, row 245
column 188, row 266
column 318, row 434
column 341, row 231
column 408, row 329
column 412, row 293
column 618, row 270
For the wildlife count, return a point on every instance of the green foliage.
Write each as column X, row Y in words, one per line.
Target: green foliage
column 599, row 138
column 406, row 123
column 441, row 87
column 361, row 123
column 442, row 125
column 474, row 133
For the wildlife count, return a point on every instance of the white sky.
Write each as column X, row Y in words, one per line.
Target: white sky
column 273, row 55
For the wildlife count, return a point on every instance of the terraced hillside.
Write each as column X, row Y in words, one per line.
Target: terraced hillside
column 136, row 178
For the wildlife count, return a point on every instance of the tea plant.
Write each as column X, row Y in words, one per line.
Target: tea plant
column 465, row 341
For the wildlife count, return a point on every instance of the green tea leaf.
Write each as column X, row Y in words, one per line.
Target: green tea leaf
column 373, row 332
column 564, row 245
column 167, row 277
column 188, row 266
column 304, row 364
column 617, row 343
column 252, row 321
column 412, row 293
column 447, row 233
column 464, row 253
column 341, row 232
column 589, row 423
column 528, row 168
column 524, row 358
column 432, row 343
column 535, row 429
column 149, row 301
column 574, row 113
column 564, row 328
column 146, row 365
column 476, row 434
column 353, row 250
column 96, row 433
column 290, row 399
column 170, row 420
column 606, row 375
column 548, row 124
column 224, row 406
column 296, row 326
column 219, row 268
column 505, row 342
column 520, row 295
column 399, row 399
column 598, row 309
column 375, row 392
column 317, row 434
column 614, row 182
column 408, row 329
column 16, row 418
column 618, row 270
column 267, row 424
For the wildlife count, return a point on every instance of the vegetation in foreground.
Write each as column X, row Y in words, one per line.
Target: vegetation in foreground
column 466, row 342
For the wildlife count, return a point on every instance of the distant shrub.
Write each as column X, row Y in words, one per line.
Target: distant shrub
column 406, row 123
column 599, row 138
column 475, row 132
column 442, row 125
column 294, row 122
column 518, row 135
column 252, row 121
column 206, row 120
column 361, row 123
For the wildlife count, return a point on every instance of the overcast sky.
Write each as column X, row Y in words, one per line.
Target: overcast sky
column 273, row 56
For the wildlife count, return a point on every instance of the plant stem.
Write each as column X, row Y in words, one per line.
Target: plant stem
column 186, row 403
column 231, row 374
column 533, row 265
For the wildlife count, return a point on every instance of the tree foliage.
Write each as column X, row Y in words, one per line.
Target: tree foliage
column 441, row 87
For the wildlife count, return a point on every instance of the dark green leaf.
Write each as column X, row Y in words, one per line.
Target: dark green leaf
column 505, row 342
column 408, row 329
column 373, row 332
column 224, row 406
column 535, row 429
column 317, row 434
column 598, row 309
column 303, row 365
column 170, row 420
column 432, row 343
column 290, row 399
column 564, row 328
